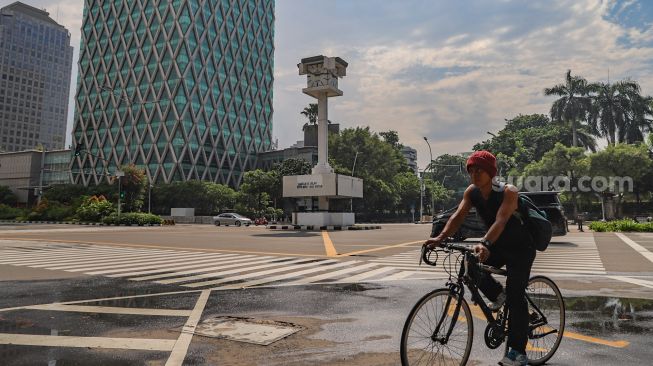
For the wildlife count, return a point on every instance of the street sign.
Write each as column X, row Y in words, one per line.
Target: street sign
column 120, row 173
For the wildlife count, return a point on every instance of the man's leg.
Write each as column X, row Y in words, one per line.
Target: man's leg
column 490, row 287
column 519, row 270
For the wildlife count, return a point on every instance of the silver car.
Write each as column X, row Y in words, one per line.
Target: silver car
column 231, row 219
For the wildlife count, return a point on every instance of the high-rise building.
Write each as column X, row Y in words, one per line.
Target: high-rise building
column 410, row 155
column 182, row 88
column 35, row 65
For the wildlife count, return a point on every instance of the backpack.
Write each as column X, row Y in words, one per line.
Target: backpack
column 536, row 221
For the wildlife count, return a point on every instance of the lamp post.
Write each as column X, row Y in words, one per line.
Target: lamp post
column 351, row 200
column 149, row 197
column 430, row 166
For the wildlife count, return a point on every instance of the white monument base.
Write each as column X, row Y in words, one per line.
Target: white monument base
column 324, row 218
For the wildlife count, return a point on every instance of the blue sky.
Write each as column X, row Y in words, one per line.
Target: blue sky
column 447, row 70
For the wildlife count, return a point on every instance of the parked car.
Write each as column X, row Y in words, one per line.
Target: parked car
column 231, row 219
column 474, row 227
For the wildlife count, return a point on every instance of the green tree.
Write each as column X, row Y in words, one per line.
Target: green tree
column 7, row 197
column 573, row 105
column 563, row 161
column 449, row 171
column 391, row 137
column 219, row 196
column 621, row 160
column 292, row 166
column 407, row 188
column 526, row 138
column 257, row 184
column 207, row 198
column 133, row 184
column 310, row 113
column 437, row 195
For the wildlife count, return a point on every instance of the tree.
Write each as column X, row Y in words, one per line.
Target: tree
column 7, row 196
column 446, row 169
column 621, row 160
column 526, row 138
column 257, row 184
column 573, row 105
column 310, row 113
column 437, row 195
column 407, row 188
column 563, row 161
column 133, row 184
column 292, row 166
column 207, row 198
column 391, row 137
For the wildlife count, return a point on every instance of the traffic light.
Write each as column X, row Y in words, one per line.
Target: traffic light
column 122, row 195
column 78, row 149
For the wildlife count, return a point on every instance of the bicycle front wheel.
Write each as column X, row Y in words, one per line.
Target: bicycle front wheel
column 431, row 335
column 546, row 309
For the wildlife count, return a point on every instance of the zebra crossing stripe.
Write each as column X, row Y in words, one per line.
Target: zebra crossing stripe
column 243, row 262
column 365, row 275
column 124, row 272
column 61, row 256
column 327, row 275
column 222, row 273
column 120, row 262
column 273, row 278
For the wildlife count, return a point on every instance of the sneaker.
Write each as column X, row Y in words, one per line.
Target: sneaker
column 514, row 358
column 498, row 303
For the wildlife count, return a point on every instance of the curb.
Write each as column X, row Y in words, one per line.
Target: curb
column 319, row 228
column 72, row 223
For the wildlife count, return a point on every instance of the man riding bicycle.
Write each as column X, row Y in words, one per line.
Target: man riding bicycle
column 507, row 242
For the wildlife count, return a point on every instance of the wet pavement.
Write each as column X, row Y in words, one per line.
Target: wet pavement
column 341, row 324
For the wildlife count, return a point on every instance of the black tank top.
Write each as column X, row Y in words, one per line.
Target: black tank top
column 514, row 233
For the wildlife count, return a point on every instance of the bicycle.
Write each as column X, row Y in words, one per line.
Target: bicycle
column 439, row 329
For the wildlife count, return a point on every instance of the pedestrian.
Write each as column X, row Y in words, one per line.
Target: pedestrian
column 507, row 242
column 579, row 221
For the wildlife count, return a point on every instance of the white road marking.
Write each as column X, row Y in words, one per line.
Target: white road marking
column 324, row 276
column 638, row 248
column 110, row 310
column 368, row 274
column 124, row 272
column 87, row 342
column 181, row 345
column 635, row 281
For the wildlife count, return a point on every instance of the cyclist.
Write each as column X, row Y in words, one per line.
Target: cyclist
column 507, row 242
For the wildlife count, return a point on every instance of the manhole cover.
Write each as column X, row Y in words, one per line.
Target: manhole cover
column 263, row 332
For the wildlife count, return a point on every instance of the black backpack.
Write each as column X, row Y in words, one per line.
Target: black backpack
column 536, row 221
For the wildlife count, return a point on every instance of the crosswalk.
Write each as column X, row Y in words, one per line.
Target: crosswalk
column 561, row 258
column 192, row 269
column 222, row 270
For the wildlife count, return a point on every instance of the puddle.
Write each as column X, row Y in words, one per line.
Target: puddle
column 597, row 315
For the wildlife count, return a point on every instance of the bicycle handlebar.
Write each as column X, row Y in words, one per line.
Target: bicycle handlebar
column 447, row 245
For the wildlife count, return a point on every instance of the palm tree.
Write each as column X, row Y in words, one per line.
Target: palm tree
column 310, row 112
column 637, row 122
column 573, row 105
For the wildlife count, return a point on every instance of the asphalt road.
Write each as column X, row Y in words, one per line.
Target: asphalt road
column 347, row 293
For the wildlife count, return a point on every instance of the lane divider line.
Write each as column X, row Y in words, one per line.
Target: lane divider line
column 180, row 348
column 328, row 245
column 638, row 248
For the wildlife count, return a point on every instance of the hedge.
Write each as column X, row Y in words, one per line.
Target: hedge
column 132, row 218
column 621, row 225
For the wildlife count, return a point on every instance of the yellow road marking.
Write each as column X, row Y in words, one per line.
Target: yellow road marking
column 162, row 247
column 385, row 247
column 478, row 313
column 328, row 245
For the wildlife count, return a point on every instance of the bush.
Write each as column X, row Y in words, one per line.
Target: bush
column 10, row 213
column 132, row 218
column 94, row 209
column 621, row 225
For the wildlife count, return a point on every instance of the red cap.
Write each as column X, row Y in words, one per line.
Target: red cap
column 484, row 160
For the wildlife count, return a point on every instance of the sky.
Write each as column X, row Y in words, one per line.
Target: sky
column 450, row 71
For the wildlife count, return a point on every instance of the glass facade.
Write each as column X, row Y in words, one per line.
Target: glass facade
column 35, row 67
column 181, row 88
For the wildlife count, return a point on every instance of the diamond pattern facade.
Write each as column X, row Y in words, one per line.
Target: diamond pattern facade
column 181, row 88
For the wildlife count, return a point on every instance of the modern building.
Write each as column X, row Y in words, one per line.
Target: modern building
column 410, row 155
column 181, row 88
column 29, row 172
column 268, row 159
column 35, row 66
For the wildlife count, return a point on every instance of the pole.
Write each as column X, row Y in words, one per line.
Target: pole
column 119, row 203
column 41, row 175
column 149, row 198
column 421, row 198
column 351, row 200
column 430, row 166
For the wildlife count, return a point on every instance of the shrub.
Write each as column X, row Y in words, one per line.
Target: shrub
column 132, row 218
column 10, row 213
column 94, row 209
column 621, row 225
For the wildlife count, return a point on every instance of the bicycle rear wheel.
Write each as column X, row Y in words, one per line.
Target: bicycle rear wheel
column 422, row 345
column 546, row 303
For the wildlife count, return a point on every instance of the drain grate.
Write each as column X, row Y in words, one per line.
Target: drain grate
column 248, row 330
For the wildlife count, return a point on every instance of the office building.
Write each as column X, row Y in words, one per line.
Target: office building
column 35, row 67
column 180, row 88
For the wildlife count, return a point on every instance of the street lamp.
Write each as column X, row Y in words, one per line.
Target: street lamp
column 351, row 200
column 431, row 166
